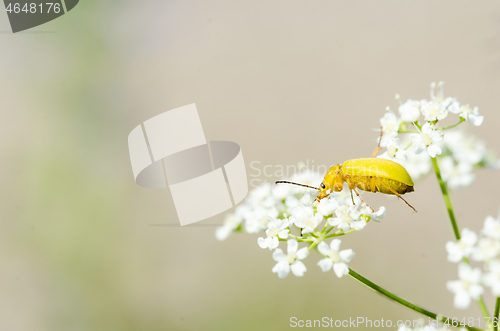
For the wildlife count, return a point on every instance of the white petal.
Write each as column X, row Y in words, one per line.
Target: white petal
column 454, row 286
column 346, row 255
column 344, row 226
column 263, row 243
column 415, row 137
column 419, row 148
column 282, row 268
column 334, row 221
column 298, row 268
column 302, row 253
column 325, row 264
column 474, row 276
column 476, row 120
column 324, row 248
column 427, row 128
column 278, row 255
column 358, row 225
column 455, row 254
column 222, row 232
column 274, row 242
column 293, row 245
column 464, row 271
column 335, row 244
column 340, row 269
column 380, row 213
column 462, row 300
column 475, row 291
column 468, row 237
column 283, row 234
column 434, row 150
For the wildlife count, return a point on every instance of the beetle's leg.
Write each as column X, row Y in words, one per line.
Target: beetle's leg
column 373, row 186
column 395, row 193
column 326, row 196
column 378, row 146
column 362, row 201
column 351, row 186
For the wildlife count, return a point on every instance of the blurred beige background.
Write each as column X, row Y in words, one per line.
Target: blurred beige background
column 289, row 81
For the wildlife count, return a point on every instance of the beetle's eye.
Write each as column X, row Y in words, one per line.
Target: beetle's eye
column 322, row 186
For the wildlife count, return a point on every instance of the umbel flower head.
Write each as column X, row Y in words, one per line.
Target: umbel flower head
column 416, row 136
column 287, row 214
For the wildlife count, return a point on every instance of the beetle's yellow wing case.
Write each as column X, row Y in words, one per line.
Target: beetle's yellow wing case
column 377, row 167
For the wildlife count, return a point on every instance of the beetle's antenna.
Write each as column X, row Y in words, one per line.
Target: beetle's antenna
column 303, row 185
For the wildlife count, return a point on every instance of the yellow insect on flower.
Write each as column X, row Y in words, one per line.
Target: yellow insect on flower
column 369, row 174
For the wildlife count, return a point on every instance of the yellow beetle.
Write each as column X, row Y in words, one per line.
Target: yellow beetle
column 370, row 174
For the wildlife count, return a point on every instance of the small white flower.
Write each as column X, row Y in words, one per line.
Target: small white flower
column 452, row 105
column 491, row 228
column 277, row 228
column 418, row 165
column 258, row 217
column 334, row 258
column 304, row 218
column 394, row 147
column 467, row 113
column 290, row 261
column 466, row 287
column 427, row 138
column 456, row 175
column 347, row 218
column 389, row 139
column 486, row 250
column 465, row 148
column 368, row 215
column 390, row 123
column 463, row 248
column 327, row 206
column 410, row 111
column 433, row 111
column 492, row 278
column 231, row 222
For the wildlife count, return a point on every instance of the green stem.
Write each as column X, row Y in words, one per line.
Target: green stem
column 339, row 233
column 451, row 214
column 451, row 126
column 299, row 239
column 401, row 301
column 407, row 131
column 495, row 317
column 447, row 200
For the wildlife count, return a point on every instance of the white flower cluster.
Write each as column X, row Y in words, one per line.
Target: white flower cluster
column 485, row 249
column 460, row 154
column 282, row 209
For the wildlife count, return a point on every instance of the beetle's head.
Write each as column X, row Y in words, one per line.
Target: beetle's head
column 330, row 183
column 324, row 187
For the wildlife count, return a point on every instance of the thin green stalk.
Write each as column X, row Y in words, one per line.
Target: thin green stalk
column 339, row 233
column 451, row 126
column 447, row 200
column 451, row 214
column 495, row 317
column 402, row 301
